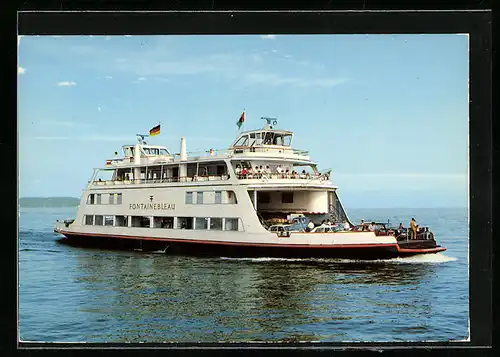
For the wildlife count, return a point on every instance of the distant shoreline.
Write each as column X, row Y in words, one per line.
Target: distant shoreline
column 74, row 201
column 49, row 201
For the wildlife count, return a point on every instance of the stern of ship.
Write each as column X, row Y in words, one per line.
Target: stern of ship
column 423, row 243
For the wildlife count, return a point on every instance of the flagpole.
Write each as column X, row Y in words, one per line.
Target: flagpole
column 244, row 118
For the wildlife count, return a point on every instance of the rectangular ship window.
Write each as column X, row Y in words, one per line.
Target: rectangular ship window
column 189, row 198
column 121, row 221
column 108, row 220
column 111, row 198
column 185, row 222
column 141, row 221
column 118, row 198
column 218, row 197
column 199, row 198
column 90, row 199
column 98, row 199
column 163, row 222
column 201, row 223
column 231, row 197
column 98, row 220
column 89, row 220
column 287, row 197
column 216, row 224
column 231, row 224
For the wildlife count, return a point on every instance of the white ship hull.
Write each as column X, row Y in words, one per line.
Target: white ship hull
column 206, row 205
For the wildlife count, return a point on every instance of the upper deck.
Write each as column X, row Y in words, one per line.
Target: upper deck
column 263, row 154
column 266, row 143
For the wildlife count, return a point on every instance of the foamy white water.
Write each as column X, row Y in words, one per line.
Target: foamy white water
column 435, row 258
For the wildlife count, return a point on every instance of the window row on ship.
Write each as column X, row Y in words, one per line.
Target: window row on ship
column 206, row 171
column 197, row 223
column 191, row 197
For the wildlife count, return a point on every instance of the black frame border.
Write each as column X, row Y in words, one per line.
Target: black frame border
column 476, row 23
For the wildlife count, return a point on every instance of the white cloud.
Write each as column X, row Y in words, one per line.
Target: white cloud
column 98, row 137
column 21, row 70
column 108, row 77
column 66, row 123
column 411, row 175
column 161, row 79
column 257, row 58
column 84, row 50
column 155, row 62
column 276, row 80
column 268, row 37
column 66, row 84
column 322, row 82
column 52, row 138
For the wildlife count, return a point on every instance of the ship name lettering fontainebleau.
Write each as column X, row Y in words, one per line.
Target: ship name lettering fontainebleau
column 157, row 206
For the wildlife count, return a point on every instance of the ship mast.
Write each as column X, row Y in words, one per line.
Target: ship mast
column 270, row 121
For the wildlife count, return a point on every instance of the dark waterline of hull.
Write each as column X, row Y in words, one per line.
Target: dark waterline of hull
column 235, row 251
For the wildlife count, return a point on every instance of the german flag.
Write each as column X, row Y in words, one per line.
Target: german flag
column 155, row 130
column 242, row 119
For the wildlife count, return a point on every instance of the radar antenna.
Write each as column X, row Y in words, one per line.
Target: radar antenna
column 140, row 138
column 270, row 121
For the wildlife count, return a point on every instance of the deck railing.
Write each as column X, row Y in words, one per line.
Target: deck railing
column 307, row 177
column 270, row 149
column 284, row 176
column 164, row 180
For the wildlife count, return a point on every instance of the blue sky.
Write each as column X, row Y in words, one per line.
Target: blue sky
column 388, row 113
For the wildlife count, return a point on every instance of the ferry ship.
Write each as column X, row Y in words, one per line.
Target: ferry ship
column 259, row 198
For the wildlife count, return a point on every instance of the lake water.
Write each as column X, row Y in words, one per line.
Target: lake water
column 69, row 294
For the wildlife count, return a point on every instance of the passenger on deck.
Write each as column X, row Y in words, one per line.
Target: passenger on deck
column 310, row 226
column 328, row 222
column 347, row 227
column 279, row 170
column 413, row 228
column 238, row 170
column 303, row 175
column 371, row 227
column 244, row 172
column 265, row 172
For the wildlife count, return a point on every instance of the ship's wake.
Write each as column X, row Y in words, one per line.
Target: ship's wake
column 436, row 258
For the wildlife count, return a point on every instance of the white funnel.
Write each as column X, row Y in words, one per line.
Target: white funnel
column 183, row 149
column 137, row 154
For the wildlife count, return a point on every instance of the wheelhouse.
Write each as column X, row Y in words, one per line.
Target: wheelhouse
column 264, row 137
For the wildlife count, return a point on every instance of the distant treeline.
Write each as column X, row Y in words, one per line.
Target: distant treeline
column 49, row 201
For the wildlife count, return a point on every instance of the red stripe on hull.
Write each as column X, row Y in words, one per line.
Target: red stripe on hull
column 424, row 250
column 167, row 240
